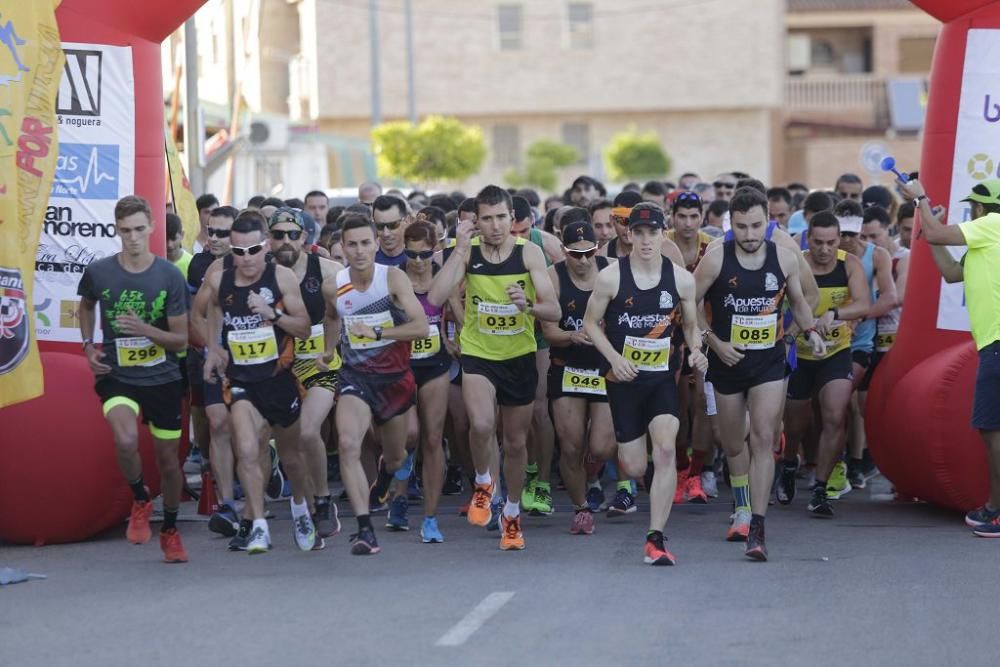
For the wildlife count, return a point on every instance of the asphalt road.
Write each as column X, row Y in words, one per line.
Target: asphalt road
column 883, row 583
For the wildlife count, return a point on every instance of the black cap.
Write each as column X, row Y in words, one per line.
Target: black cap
column 627, row 199
column 581, row 230
column 522, row 209
column 876, row 195
column 647, row 215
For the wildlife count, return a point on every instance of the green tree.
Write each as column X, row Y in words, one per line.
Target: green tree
column 633, row 156
column 438, row 149
column 545, row 157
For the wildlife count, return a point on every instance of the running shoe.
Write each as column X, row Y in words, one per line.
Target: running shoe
column 693, row 493
column 320, row 544
column 378, row 496
column 225, row 521
column 429, row 531
column 785, row 489
column 838, row 486
column 463, row 509
column 756, row 549
column 479, row 506
column 239, row 541
column 709, row 484
column 991, row 529
column 399, row 514
column 259, row 542
column 528, row 494
column 855, row 475
column 682, row 476
column 511, row 539
column 194, row 462
column 595, row 498
column 583, row 523
column 363, row 543
column 327, row 518
column 740, row 526
column 452, row 481
column 305, row 532
column 624, row 503
column 275, row 484
column 656, row 552
column 820, row 504
column 981, row 516
column 172, row 547
column 138, row 531
column 542, row 506
column 496, row 507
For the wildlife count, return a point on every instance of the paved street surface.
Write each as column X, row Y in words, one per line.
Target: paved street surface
column 881, row 584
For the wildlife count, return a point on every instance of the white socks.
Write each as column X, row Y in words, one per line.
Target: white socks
column 511, row 509
column 299, row 510
column 484, row 478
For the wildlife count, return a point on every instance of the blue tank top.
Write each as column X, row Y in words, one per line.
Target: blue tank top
column 864, row 334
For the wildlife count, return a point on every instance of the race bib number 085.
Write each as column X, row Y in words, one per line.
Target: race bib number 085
column 754, row 332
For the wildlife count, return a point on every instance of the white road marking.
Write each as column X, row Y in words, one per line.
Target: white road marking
column 475, row 619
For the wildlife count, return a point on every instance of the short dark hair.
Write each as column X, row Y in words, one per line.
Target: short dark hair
column 225, row 212
column 356, row 221
column 816, row 202
column 795, row 185
column 877, row 214
column 655, row 188
column 631, row 186
column 717, row 207
column 599, row 205
column 130, row 205
column 531, row 195
column 333, row 213
column 255, row 201
column 492, row 195
column 273, row 201
column 779, row 194
column 746, row 198
column 823, row 219
column 549, row 221
column 316, row 193
column 906, row 210
column 847, row 178
column 421, row 232
column 295, row 203
column 174, row 226
column 751, row 183
column 575, row 214
column 468, row 205
column 688, row 174
column 433, row 213
column 414, row 194
column 443, row 202
column 249, row 221
column 360, row 209
column 206, row 201
column 389, row 202
column 848, row 207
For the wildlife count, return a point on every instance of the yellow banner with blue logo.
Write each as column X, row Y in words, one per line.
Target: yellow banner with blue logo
column 31, row 65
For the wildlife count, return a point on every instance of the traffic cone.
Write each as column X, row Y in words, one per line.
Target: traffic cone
column 208, row 502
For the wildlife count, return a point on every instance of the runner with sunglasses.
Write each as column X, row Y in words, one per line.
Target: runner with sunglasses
column 506, row 288
column 575, row 385
column 431, row 363
column 255, row 312
column 391, row 215
column 288, row 248
column 630, row 319
column 372, row 310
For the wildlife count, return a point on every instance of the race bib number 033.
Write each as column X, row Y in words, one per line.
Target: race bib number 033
column 255, row 346
column 648, row 354
column 583, row 381
column 312, row 347
column 754, row 332
column 500, row 319
column 139, row 351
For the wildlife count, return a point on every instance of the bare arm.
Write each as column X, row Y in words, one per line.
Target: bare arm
column 552, row 246
column 88, row 320
column 605, row 290
column 932, row 227
column 546, row 305
column 416, row 326
column 902, row 271
column 670, row 250
column 809, row 287
column 689, row 316
column 217, row 358
column 886, row 288
column 451, row 274
column 295, row 320
column 951, row 269
column 858, row 286
column 199, row 308
column 550, row 330
column 331, row 322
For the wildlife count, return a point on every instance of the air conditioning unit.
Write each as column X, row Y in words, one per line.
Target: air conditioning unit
column 799, row 52
column 268, row 133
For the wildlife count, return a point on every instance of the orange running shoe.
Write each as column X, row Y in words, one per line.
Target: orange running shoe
column 173, row 548
column 693, row 493
column 511, row 537
column 656, row 553
column 740, row 527
column 138, row 531
column 479, row 506
column 682, row 477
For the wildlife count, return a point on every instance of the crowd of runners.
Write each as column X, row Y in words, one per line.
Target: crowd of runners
column 663, row 342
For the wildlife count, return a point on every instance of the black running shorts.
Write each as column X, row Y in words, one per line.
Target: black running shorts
column 160, row 405
column 812, row 375
column 756, row 367
column 515, row 380
column 635, row 404
column 277, row 398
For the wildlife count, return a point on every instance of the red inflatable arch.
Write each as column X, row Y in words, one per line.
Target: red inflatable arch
column 60, row 482
column 920, row 400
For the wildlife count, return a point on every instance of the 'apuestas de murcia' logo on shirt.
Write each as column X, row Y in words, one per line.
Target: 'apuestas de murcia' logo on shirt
column 639, row 321
column 750, row 306
column 13, row 320
column 243, row 322
column 770, row 282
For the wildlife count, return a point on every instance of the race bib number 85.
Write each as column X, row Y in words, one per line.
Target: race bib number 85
column 754, row 332
column 425, row 348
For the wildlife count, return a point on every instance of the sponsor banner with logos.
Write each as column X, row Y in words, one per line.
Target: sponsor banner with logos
column 977, row 152
column 30, row 65
column 95, row 168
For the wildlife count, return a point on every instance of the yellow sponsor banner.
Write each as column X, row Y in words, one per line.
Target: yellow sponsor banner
column 185, row 205
column 31, row 64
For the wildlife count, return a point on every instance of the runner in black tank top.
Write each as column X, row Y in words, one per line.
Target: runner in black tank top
column 255, row 311
column 288, row 247
column 744, row 283
column 575, row 385
column 639, row 301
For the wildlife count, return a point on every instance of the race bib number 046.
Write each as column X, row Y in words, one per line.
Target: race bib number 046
column 754, row 332
column 648, row 354
column 255, row 346
column 583, row 381
column 139, row 351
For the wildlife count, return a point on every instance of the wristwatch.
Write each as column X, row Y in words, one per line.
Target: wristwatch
column 789, row 339
column 86, row 342
column 277, row 315
column 378, row 332
column 918, row 199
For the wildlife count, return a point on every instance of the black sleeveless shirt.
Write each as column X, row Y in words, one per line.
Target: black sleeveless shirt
column 573, row 304
column 312, row 290
column 257, row 350
column 744, row 293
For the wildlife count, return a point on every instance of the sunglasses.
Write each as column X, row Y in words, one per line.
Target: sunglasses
column 280, row 234
column 220, row 233
column 240, row 251
column 688, row 196
column 723, row 184
column 589, row 252
column 392, row 226
column 415, row 254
